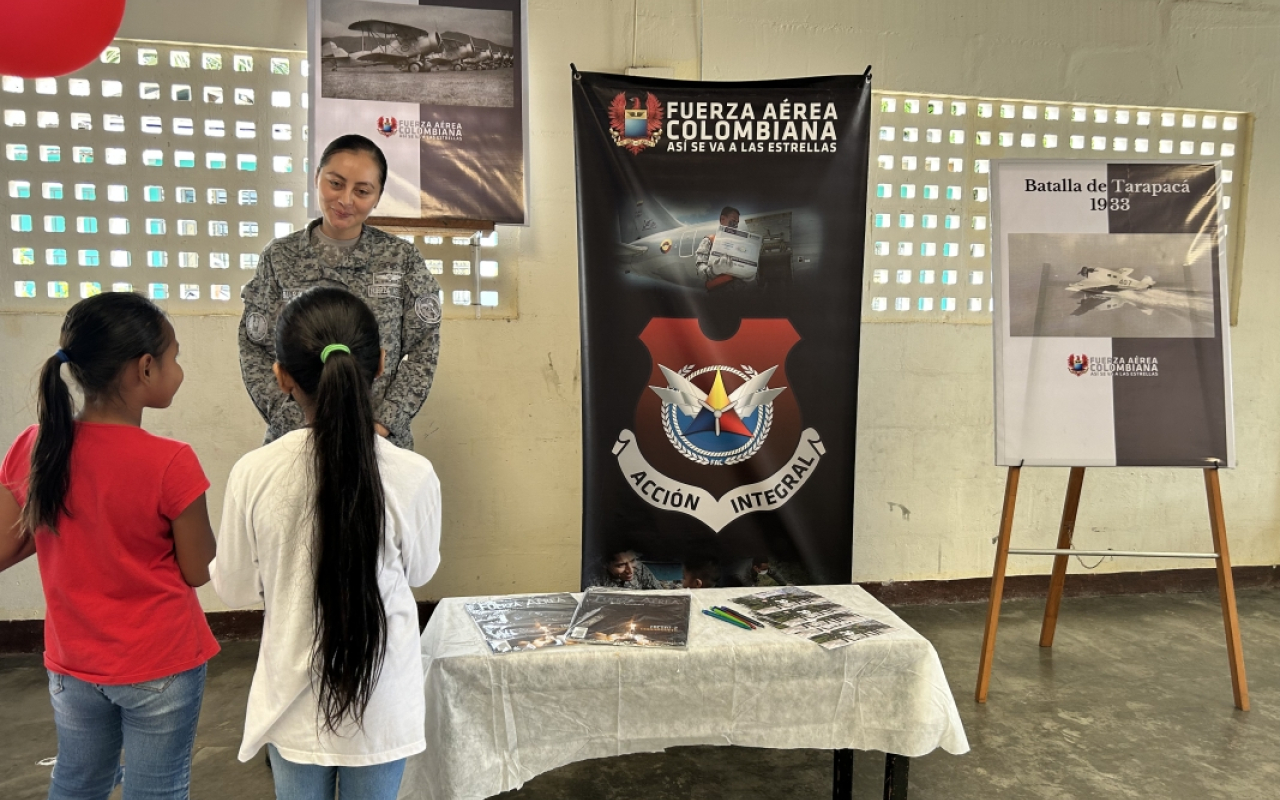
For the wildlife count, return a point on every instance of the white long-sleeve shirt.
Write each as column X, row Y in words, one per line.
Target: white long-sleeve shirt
column 264, row 555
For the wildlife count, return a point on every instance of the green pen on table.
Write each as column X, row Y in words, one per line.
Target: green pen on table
column 727, row 619
column 738, row 616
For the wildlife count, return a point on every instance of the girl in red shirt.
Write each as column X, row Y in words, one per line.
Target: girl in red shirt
column 117, row 520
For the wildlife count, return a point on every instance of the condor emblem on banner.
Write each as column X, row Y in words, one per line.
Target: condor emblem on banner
column 712, row 440
column 387, row 126
column 635, row 127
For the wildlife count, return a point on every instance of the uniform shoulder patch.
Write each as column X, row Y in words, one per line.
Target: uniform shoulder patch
column 256, row 327
column 428, row 309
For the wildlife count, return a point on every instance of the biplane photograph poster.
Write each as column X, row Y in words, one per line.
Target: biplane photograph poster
column 720, row 288
column 1111, row 342
column 441, row 88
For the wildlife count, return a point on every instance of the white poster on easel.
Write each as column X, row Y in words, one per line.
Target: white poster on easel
column 1111, row 341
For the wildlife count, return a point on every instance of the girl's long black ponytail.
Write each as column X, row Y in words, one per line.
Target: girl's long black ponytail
column 100, row 335
column 50, row 475
column 350, row 507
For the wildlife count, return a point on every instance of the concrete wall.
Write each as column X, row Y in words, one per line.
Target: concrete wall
column 502, row 423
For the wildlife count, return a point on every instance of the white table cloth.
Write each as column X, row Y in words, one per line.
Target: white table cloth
column 496, row 721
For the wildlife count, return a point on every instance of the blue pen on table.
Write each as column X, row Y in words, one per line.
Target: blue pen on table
column 729, row 620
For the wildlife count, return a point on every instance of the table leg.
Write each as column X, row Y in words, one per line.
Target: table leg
column 895, row 776
column 842, row 775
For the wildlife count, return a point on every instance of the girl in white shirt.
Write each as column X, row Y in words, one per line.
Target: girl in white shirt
column 329, row 526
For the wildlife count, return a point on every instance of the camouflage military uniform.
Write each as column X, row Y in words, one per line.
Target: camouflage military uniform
column 641, row 578
column 388, row 274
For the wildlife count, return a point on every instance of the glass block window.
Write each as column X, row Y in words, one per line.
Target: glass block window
column 94, row 160
column 952, row 214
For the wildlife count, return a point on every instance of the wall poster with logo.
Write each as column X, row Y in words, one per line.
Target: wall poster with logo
column 1111, row 345
column 721, row 235
column 441, row 87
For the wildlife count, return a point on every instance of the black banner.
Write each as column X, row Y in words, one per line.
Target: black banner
column 721, row 232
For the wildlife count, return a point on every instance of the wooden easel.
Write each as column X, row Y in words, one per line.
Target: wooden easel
column 1226, row 587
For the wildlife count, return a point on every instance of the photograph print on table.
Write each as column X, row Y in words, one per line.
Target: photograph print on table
column 803, row 613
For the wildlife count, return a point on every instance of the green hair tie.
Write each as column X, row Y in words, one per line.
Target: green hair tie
column 324, row 354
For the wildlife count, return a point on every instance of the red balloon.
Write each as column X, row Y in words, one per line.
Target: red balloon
column 47, row 38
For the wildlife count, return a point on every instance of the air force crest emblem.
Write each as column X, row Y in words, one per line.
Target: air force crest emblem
column 1078, row 364
column 633, row 125
column 718, row 430
column 715, row 427
column 387, row 126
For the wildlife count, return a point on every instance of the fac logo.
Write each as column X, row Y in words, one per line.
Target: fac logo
column 387, row 126
column 1078, row 364
column 717, row 427
column 633, row 126
column 718, row 431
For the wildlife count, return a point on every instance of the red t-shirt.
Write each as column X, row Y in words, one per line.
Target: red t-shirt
column 117, row 608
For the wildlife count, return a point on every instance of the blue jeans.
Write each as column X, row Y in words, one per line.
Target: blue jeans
column 154, row 722
column 314, row 782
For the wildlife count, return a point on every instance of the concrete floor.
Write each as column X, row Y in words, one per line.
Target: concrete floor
column 1134, row 701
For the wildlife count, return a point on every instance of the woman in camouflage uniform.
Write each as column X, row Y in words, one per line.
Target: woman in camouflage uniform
column 340, row 250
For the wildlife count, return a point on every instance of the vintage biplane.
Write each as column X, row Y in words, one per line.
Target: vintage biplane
column 475, row 53
column 413, row 49
column 381, row 42
column 331, row 54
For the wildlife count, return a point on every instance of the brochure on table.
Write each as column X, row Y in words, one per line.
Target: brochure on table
column 511, row 624
column 631, row 619
column 800, row 612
